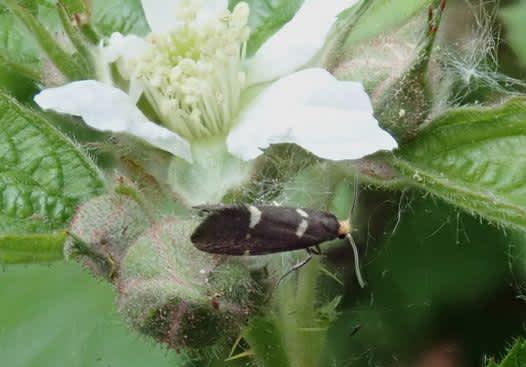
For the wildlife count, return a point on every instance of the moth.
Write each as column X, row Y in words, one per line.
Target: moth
column 259, row 230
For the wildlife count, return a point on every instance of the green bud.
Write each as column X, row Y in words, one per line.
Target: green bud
column 405, row 104
column 379, row 62
column 103, row 228
column 393, row 65
column 376, row 61
column 183, row 297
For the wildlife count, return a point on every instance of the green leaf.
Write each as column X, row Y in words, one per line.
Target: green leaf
column 67, row 319
column 432, row 271
column 16, row 42
column 435, row 254
column 265, row 18
column 382, row 16
column 513, row 17
column 20, row 54
column 35, row 6
column 516, row 356
column 17, row 80
column 124, row 16
column 377, row 169
column 474, row 158
column 32, row 248
column 43, row 177
column 64, row 62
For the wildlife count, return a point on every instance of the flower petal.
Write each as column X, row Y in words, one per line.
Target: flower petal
column 121, row 50
column 126, row 47
column 333, row 119
column 296, row 42
column 106, row 108
column 211, row 9
column 161, row 14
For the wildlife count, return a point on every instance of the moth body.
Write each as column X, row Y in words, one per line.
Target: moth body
column 259, row 230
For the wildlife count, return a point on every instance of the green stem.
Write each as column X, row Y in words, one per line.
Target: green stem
column 297, row 312
column 77, row 39
column 265, row 340
column 289, row 335
column 61, row 59
column 90, row 33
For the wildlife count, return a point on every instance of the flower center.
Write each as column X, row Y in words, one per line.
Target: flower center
column 193, row 75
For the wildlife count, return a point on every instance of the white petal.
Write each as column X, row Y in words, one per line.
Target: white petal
column 333, row 119
column 121, row 49
column 126, row 47
column 297, row 41
column 161, row 14
column 106, row 108
column 135, row 90
column 118, row 49
column 211, row 9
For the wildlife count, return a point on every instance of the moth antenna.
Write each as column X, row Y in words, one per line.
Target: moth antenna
column 356, row 260
column 355, row 197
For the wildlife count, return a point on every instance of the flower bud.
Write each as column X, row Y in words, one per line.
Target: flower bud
column 377, row 62
column 394, row 69
column 103, row 228
column 405, row 104
column 181, row 296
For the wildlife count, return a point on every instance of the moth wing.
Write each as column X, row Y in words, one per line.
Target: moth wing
column 208, row 209
column 223, row 231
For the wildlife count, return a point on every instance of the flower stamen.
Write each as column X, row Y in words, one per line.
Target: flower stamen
column 193, row 75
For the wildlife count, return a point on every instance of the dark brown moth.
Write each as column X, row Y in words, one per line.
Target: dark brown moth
column 260, row 230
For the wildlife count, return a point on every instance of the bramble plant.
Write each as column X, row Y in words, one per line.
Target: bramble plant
column 119, row 117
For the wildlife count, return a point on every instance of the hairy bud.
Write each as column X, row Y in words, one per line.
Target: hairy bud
column 103, row 228
column 394, row 68
column 181, row 296
column 405, row 104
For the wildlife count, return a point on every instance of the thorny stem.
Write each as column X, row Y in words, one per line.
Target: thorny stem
column 434, row 16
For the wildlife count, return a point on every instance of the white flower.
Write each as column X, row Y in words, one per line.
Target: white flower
column 193, row 71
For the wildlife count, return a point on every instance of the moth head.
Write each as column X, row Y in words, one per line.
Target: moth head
column 345, row 228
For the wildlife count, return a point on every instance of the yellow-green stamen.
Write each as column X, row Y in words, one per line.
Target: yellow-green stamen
column 193, row 75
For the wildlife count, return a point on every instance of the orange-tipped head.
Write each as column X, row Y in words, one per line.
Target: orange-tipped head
column 345, row 227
